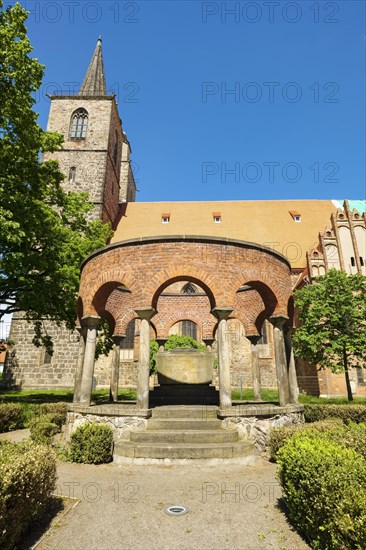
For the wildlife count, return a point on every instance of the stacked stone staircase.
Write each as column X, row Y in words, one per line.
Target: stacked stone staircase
column 183, row 432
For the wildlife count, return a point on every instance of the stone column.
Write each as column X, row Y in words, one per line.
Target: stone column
column 222, row 314
column 91, row 324
column 161, row 343
column 208, row 342
column 292, row 377
column 145, row 314
column 79, row 365
column 280, row 358
column 257, row 386
column 113, row 389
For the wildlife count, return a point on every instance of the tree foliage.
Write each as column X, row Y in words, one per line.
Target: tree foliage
column 44, row 232
column 332, row 315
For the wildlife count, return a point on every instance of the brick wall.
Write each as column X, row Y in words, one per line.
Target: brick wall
column 147, row 268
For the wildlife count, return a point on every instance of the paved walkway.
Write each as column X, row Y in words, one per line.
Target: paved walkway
column 230, row 507
column 122, row 507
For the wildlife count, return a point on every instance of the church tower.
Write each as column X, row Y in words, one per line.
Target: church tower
column 95, row 156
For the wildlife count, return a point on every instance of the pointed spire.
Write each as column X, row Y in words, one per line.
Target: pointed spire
column 94, row 81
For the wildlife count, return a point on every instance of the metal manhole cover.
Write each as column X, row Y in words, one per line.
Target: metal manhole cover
column 176, row 510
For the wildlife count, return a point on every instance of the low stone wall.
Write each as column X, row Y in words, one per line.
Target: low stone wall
column 258, row 429
column 121, row 425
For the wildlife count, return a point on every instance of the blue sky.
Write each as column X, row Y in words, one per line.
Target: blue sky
column 293, row 126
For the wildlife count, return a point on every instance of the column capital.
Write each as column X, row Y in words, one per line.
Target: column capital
column 82, row 331
column 253, row 338
column 278, row 320
column 222, row 313
column 161, row 341
column 208, row 341
column 90, row 321
column 117, row 338
column 145, row 312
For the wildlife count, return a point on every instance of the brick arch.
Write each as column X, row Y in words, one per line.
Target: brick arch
column 123, row 320
column 167, row 277
column 114, row 277
column 102, row 295
column 107, row 316
column 265, row 291
column 248, row 305
column 272, row 290
column 206, row 331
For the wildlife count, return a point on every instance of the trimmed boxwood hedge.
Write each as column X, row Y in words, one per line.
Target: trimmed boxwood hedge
column 46, row 420
column 324, row 486
column 14, row 416
column 27, row 481
column 91, row 444
column 11, row 417
column 347, row 412
column 278, row 436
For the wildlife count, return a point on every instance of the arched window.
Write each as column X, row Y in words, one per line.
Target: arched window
column 189, row 328
column 79, row 124
column 189, row 288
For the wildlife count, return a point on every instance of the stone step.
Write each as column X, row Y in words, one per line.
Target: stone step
column 184, row 436
column 184, row 424
column 123, row 448
column 200, row 412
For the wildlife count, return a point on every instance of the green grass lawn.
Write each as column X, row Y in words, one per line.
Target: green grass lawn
column 271, row 394
column 268, row 394
column 102, row 396
column 48, row 396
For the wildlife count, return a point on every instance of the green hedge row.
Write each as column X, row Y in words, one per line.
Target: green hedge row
column 11, row 417
column 14, row 416
column 278, row 436
column 27, row 480
column 353, row 413
column 324, row 486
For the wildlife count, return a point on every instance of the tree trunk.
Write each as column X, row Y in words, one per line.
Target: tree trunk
column 346, row 373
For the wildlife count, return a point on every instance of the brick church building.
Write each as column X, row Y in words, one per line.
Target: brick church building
column 222, row 272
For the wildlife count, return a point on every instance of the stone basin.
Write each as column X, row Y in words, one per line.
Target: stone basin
column 184, row 366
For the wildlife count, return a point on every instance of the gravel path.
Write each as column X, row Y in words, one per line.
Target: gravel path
column 15, row 435
column 122, row 507
column 230, row 507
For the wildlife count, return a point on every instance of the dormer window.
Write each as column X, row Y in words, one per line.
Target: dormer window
column 296, row 216
column 165, row 218
column 79, row 124
column 216, row 217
